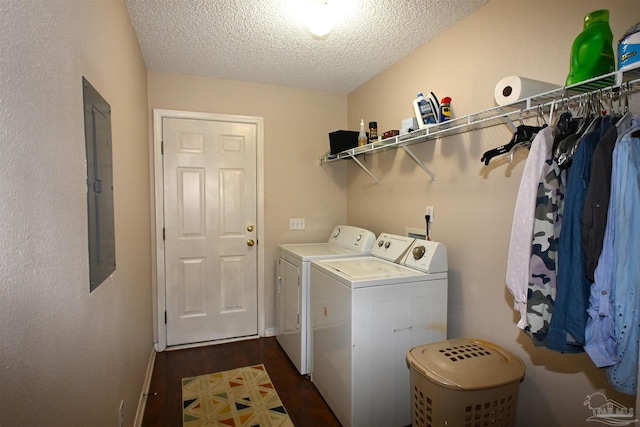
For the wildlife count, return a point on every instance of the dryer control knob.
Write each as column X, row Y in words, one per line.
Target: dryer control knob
column 386, row 245
column 380, row 243
column 418, row 252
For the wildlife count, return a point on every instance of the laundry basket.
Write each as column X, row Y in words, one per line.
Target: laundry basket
column 463, row 383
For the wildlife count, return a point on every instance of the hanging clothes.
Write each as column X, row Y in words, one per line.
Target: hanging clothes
column 600, row 338
column 594, row 215
column 567, row 326
column 544, row 251
column 625, row 189
column 573, row 264
column 519, row 255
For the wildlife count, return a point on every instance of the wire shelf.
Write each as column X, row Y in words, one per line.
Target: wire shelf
column 519, row 110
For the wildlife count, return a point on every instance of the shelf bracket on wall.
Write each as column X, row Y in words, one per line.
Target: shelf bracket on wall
column 364, row 168
column 508, row 120
column 419, row 162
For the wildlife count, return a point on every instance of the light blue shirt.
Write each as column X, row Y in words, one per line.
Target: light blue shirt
column 600, row 337
column 626, row 265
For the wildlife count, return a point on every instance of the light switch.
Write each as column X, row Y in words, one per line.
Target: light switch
column 296, row 224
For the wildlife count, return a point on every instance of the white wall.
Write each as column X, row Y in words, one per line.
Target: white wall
column 68, row 357
column 473, row 203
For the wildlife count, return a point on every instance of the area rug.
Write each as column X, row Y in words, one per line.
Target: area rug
column 243, row 397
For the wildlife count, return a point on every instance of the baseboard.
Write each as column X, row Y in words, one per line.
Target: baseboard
column 145, row 389
column 270, row 332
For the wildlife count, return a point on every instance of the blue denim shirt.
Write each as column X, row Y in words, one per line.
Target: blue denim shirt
column 567, row 327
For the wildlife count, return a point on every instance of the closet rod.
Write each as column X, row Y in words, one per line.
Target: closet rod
column 618, row 91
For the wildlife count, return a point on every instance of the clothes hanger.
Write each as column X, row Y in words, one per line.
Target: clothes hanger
column 563, row 126
column 564, row 159
column 542, row 123
column 627, row 114
column 569, row 130
column 523, row 134
column 623, row 91
column 586, row 120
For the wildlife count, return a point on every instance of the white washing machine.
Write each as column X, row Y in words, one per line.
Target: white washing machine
column 367, row 313
column 294, row 317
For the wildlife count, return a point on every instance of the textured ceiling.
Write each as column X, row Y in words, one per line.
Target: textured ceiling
column 265, row 41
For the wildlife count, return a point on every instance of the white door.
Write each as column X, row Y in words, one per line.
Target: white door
column 210, row 214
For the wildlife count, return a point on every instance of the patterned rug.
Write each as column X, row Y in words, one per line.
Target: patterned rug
column 243, row 397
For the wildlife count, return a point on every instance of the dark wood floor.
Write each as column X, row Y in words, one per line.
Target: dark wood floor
column 299, row 396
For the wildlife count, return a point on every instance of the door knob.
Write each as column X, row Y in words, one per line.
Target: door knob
column 250, row 242
column 250, row 228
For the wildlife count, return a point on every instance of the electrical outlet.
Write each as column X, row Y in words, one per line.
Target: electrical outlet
column 430, row 213
column 121, row 413
column 296, row 224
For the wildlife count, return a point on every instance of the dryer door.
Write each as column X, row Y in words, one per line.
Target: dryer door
column 288, row 296
column 289, row 302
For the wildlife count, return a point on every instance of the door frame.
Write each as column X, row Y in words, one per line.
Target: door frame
column 157, row 220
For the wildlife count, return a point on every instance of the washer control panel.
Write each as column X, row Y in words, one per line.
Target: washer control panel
column 391, row 247
column 353, row 238
column 427, row 256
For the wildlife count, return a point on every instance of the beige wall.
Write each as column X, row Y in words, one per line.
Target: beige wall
column 296, row 127
column 76, row 355
column 473, row 203
column 68, row 357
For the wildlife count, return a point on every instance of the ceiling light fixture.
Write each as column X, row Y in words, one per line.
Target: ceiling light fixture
column 321, row 17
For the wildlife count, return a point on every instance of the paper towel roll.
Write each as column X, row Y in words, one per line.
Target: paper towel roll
column 513, row 88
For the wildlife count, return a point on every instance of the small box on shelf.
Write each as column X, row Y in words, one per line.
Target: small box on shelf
column 341, row 140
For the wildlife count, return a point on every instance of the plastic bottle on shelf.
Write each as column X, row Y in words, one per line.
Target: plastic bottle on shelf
column 426, row 110
column 629, row 47
column 592, row 51
column 445, row 109
column 362, row 136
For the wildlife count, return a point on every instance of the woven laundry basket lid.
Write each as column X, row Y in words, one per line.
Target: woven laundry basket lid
column 466, row 364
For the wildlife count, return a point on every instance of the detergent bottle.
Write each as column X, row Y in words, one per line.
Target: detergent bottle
column 629, row 48
column 592, row 51
column 427, row 110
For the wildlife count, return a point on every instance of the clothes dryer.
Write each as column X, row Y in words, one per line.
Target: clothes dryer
column 294, row 330
column 367, row 313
